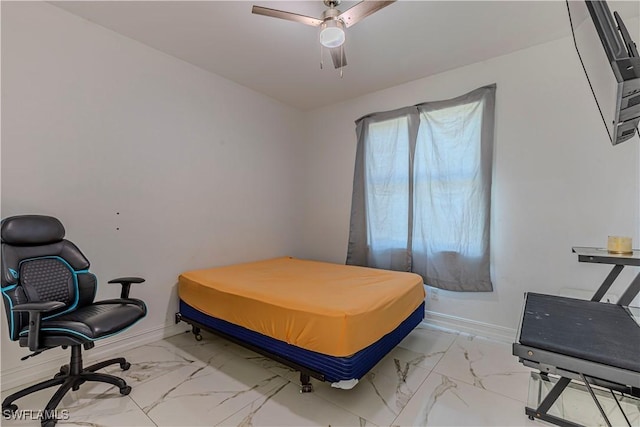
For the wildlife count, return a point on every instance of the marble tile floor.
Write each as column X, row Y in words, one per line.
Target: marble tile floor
column 432, row 378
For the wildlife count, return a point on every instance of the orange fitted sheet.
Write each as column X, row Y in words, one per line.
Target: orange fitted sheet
column 328, row 308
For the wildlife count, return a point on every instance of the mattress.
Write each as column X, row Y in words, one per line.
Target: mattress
column 332, row 309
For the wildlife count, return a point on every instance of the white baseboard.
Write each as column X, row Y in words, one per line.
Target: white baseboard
column 473, row 327
column 109, row 347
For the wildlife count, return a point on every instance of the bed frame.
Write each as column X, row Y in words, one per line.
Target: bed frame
column 310, row 364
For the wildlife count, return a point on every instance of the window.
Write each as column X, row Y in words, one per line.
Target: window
column 422, row 187
column 387, row 185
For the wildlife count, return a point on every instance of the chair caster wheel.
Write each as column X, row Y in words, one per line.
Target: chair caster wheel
column 531, row 417
column 125, row 390
column 306, row 388
column 11, row 408
column 198, row 337
column 125, row 366
column 49, row 423
column 64, row 370
column 75, row 388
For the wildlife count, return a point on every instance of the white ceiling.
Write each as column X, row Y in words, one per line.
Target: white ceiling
column 402, row 42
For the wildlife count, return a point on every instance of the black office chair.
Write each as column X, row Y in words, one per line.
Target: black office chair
column 48, row 295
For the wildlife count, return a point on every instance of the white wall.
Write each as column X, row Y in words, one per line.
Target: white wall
column 106, row 133
column 95, row 124
column 558, row 182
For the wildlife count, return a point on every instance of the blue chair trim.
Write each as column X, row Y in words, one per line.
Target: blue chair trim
column 3, row 290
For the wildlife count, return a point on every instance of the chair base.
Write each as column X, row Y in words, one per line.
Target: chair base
column 70, row 377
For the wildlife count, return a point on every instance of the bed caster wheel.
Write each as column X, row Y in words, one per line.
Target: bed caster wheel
column 125, row 390
column 306, row 388
column 11, row 409
column 125, row 366
column 196, row 333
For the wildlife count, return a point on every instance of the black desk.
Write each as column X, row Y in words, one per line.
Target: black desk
column 605, row 337
column 588, row 341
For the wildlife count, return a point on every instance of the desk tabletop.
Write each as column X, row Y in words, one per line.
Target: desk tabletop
column 603, row 256
column 595, row 331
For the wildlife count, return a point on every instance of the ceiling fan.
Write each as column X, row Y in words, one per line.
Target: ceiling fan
column 332, row 23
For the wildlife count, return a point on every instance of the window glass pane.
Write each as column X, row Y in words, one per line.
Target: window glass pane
column 387, row 184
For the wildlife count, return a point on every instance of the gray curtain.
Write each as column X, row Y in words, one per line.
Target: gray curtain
column 422, row 191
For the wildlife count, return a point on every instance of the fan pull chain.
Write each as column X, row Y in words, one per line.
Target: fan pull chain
column 341, row 58
column 321, row 57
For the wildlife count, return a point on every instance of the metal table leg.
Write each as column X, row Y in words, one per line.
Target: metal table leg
column 602, row 290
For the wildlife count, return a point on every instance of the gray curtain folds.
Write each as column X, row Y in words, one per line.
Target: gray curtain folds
column 422, row 191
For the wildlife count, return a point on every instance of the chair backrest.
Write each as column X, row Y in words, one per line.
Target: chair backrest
column 38, row 264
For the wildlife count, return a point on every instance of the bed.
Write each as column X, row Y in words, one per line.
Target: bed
column 328, row 321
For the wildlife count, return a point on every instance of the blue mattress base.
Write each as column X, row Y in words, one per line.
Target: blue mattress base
column 332, row 368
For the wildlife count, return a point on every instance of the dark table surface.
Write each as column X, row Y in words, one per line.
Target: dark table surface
column 599, row 332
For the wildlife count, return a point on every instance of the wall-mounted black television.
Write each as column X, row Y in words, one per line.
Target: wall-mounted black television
column 611, row 62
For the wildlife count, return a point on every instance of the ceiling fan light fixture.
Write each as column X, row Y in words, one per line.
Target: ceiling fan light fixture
column 332, row 24
column 332, row 33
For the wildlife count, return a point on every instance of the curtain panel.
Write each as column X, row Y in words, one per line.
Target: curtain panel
column 422, row 191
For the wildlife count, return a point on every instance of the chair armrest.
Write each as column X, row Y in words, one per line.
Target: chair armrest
column 126, row 284
column 35, row 310
column 42, row 307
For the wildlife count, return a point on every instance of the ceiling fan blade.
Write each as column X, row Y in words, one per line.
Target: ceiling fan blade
column 338, row 57
column 362, row 10
column 307, row 20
